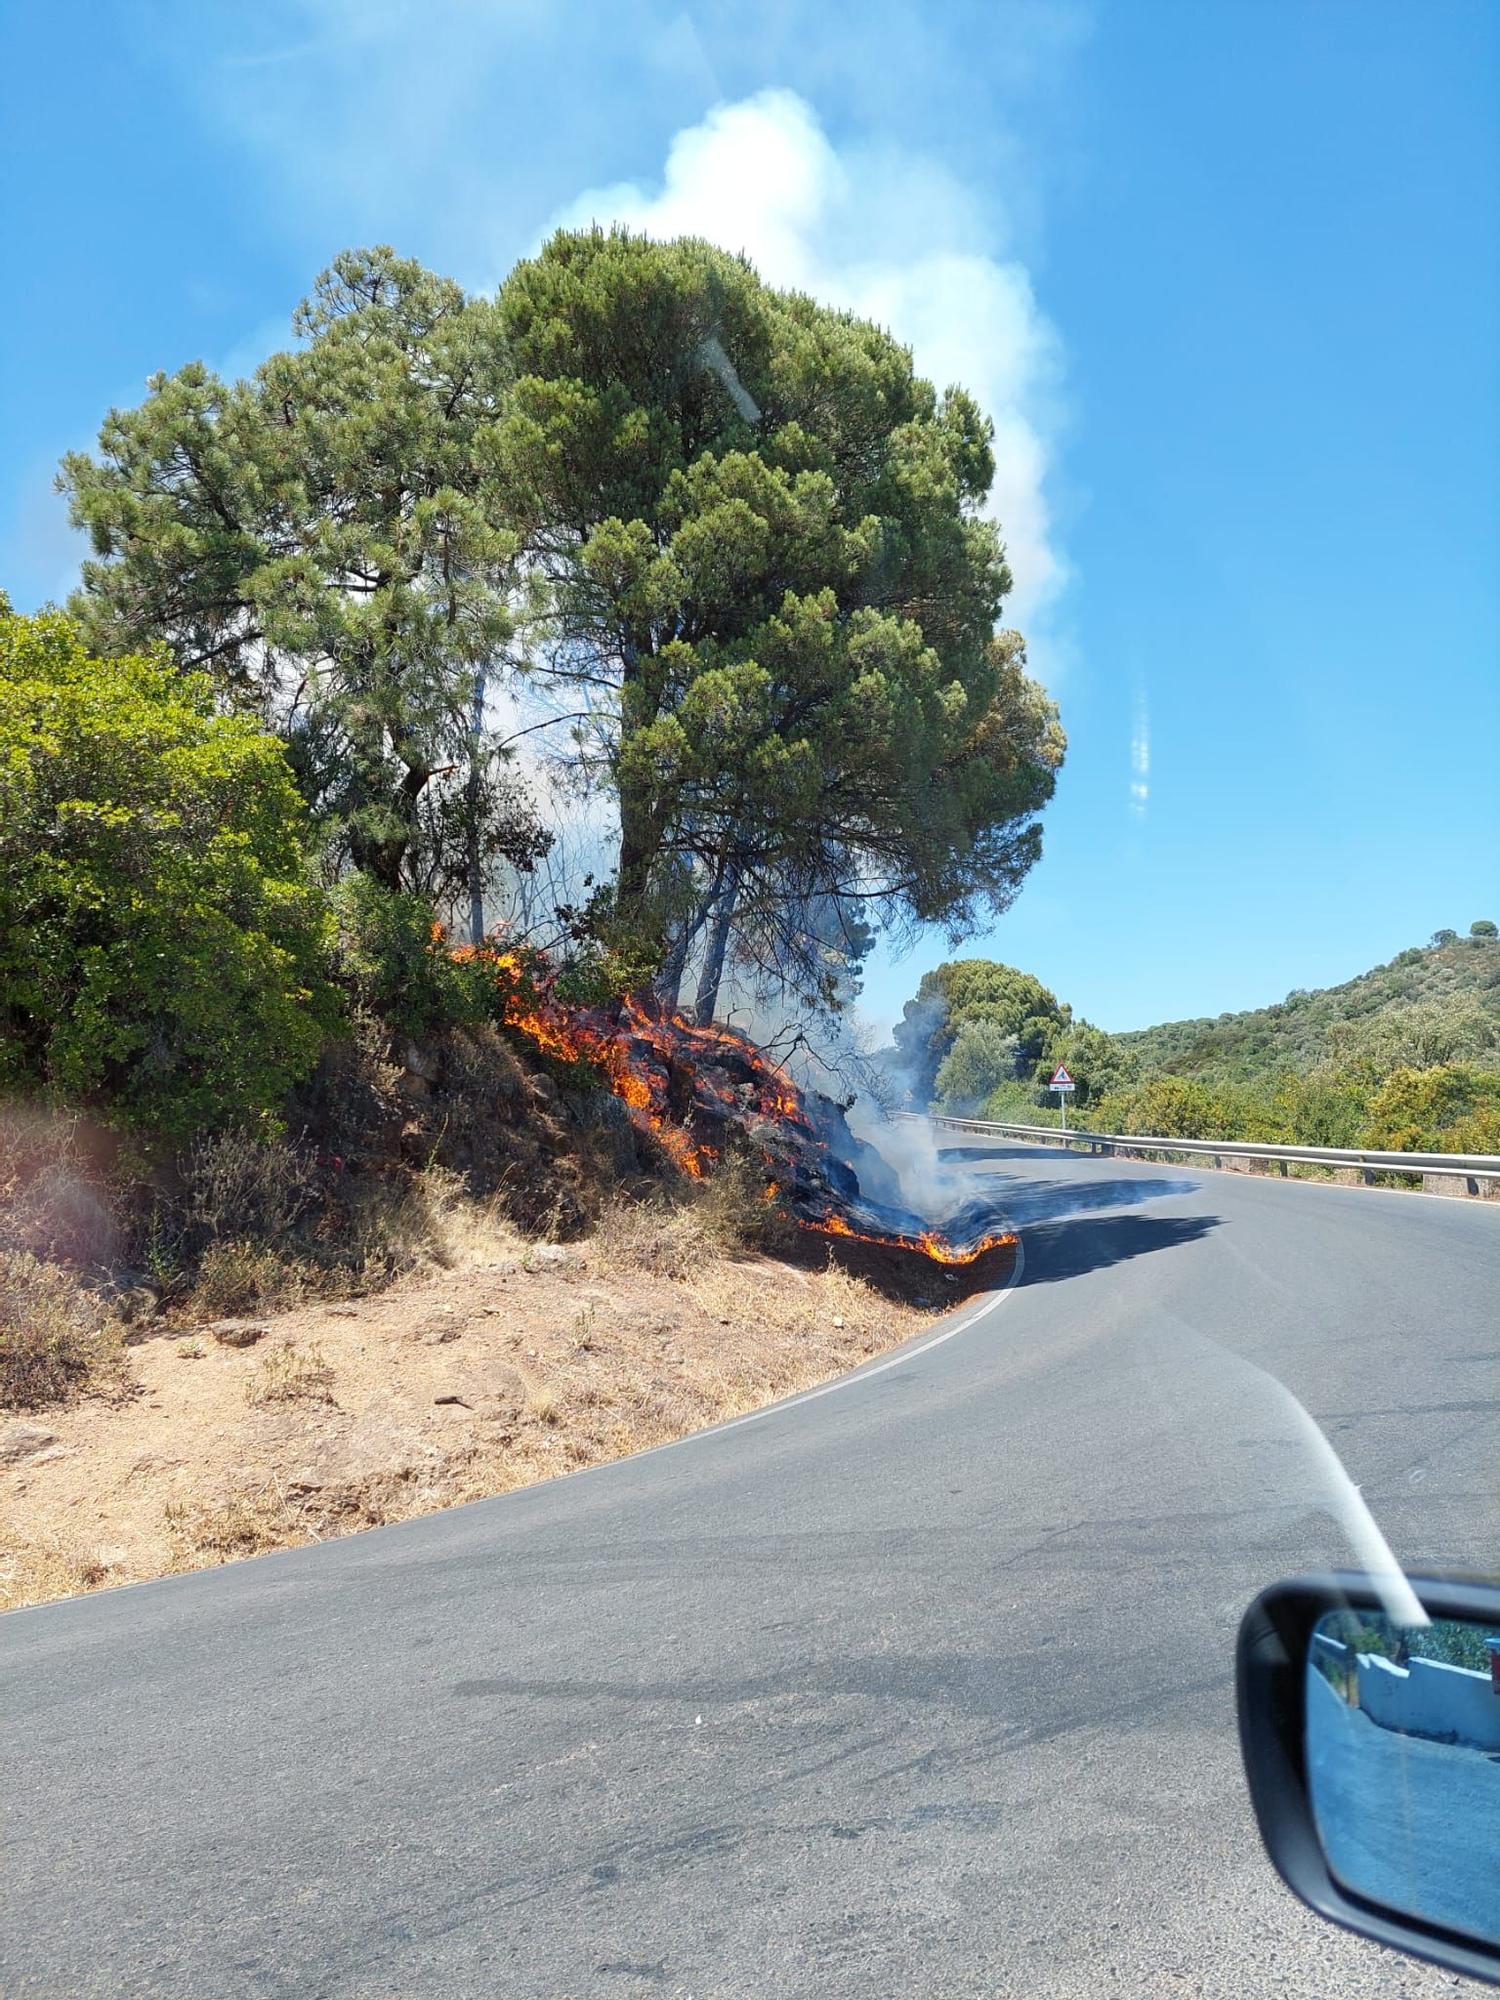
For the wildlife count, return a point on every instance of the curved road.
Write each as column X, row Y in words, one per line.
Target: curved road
column 919, row 1686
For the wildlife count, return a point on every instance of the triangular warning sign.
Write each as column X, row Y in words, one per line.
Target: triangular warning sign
column 1060, row 1078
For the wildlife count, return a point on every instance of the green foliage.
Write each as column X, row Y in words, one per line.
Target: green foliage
column 1457, row 1028
column 1484, row 927
column 1172, row 1107
column 972, row 992
column 764, row 536
column 1294, row 1035
column 1406, row 1058
column 981, row 1057
column 161, row 950
column 1453, row 1108
column 1097, row 1062
column 327, row 541
column 400, row 965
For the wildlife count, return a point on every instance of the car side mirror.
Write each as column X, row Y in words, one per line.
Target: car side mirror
column 1372, row 1751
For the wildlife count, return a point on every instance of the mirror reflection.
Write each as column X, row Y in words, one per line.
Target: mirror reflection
column 1403, row 1758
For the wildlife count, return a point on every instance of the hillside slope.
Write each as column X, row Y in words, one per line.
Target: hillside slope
column 1292, row 1035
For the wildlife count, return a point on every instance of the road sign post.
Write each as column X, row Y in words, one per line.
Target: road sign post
column 1062, row 1083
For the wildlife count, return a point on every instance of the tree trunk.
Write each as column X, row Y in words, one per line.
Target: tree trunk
column 714, row 952
column 667, row 985
column 475, row 870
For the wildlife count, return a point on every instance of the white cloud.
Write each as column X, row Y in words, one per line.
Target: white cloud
column 893, row 236
column 1140, row 757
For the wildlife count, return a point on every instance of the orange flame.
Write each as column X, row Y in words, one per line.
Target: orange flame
column 622, row 1044
column 928, row 1243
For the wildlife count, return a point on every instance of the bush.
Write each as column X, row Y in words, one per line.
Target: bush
column 1453, row 1108
column 983, row 1056
column 234, row 1277
column 161, row 950
column 1170, row 1107
column 55, row 1337
column 1327, row 1107
column 400, row 964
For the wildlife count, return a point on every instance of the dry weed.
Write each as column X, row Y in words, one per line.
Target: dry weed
column 291, row 1374
column 242, row 1188
column 56, row 1339
column 231, row 1528
column 35, row 1570
column 234, row 1277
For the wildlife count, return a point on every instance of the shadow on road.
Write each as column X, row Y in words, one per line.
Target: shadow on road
column 1070, row 1246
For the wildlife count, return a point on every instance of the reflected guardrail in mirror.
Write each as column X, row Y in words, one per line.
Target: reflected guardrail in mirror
column 1403, row 1763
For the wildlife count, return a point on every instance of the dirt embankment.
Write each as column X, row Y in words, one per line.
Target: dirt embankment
column 520, row 1361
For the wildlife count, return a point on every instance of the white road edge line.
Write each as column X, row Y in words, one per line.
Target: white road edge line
column 992, row 1303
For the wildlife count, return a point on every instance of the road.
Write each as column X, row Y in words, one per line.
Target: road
column 921, row 1686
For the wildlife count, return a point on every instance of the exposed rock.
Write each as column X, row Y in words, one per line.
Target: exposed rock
column 239, row 1332
column 134, row 1300
column 20, row 1440
column 551, row 1256
column 422, row 1063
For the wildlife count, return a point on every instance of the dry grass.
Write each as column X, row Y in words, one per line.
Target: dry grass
column 37, row 1569
column 520, row 1362
column 290, row 1374
column 56, row 1338
column 720, row 1217
column 236, row 1277
column 202, row 1535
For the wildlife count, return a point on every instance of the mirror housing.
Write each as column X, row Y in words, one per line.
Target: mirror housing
column 1272, row 1669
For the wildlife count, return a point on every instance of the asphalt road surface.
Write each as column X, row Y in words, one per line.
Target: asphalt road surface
column 917, row 1686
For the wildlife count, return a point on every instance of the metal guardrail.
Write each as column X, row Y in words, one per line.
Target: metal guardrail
column 1471, row 1167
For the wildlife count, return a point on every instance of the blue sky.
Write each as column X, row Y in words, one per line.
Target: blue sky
column 1229, row 277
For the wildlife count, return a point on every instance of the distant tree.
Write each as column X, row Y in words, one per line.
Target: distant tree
column 982, row 1057
column 1444, row 937
column 1483, row 927
column 328, row 543
column 161, row 951
column 1096, row 1061
column 1457, row 1028
column 973, row 990
column 769, row 583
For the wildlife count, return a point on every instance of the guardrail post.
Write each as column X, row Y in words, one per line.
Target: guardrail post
column 1450, row 1184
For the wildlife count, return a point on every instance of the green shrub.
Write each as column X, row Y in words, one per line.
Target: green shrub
column 982, row 1057
column 1453, row 1108
column 1171, row 1107
column 400, row 965
column 161, row 949
column 1326, row 1107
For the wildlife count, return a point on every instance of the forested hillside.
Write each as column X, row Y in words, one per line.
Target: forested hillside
column 1405, row 1057
column 1457, row 973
